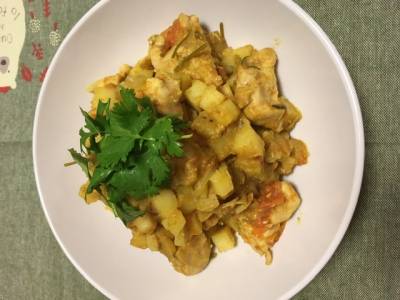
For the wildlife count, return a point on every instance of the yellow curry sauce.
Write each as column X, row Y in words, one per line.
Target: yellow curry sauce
column 237, row 149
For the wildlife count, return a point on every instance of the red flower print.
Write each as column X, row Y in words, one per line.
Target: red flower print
column 37, row 51
column 4, row 89
column 46, row 8
column 26, row 73
column 43, row 74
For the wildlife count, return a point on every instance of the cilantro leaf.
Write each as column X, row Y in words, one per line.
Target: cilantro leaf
column 158, row 169
column 126, row 212
column 102, row 114
column 100, row 175
column 114, row 149
column 84, row 136
column 129, row 117
column 163, row 135
column 134, row 182
column 131, row 146
column 91, row 123
column 93, row 127
column 80, row 160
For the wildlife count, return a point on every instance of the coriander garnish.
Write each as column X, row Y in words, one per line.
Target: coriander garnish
column 131, row 158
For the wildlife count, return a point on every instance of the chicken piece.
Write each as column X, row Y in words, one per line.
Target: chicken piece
column 258, row 70
column 256, row 91
column 247, row 81
column 194, row 256
column 203, row 68
column 165, row 240
column 284, row 150
column 300, row 151
column 263, row 222
column 158, row 58
column 165, row 94
column 175, row 32
column 292, row 114
column 179, row 55
column 183, row 50
column 277, row 145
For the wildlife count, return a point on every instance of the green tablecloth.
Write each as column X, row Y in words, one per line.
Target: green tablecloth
column 366, row 264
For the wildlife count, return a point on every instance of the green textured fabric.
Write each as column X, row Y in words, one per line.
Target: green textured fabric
column 367, row 262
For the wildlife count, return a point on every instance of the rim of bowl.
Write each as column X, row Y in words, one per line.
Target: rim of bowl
column 357, row 123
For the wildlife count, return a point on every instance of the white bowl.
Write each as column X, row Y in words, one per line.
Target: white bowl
column 311, row 74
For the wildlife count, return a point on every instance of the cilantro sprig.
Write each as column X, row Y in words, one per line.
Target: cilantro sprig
column 131, row 145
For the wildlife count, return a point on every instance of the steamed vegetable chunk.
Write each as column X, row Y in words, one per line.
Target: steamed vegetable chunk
column 205, row 125
column 190, row 146
column 221, row 181
column 224, row 239
column 195, row 93
column 225, row 112
column 247, row 143
column 165, row 203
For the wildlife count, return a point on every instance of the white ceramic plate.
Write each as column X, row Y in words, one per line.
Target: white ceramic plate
column 311, row 74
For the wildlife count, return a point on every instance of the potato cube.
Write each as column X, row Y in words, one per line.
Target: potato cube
column 195, row 93
column 225, row 113
column 139, row 240
column 244, row 51
column 222, row 146
column 227, row 90
column 208, row 203
column 224, row 239
column 164, row 203
column 180, row 239
column 186, row 199
column 211, row 98
column 251, row 166
column 152, row 242
column 136, row 79
column 142, row 204
column 221, row 181
column 144, row 224
column 247, row 142
column 175, row 222
column 229, row 60
column 106, row 92
column 207, row 126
